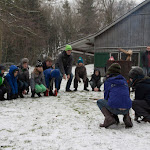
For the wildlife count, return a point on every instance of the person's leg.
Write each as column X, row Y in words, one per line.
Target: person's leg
column 75, row 84
column 38, row 88
column 86, row 84
column 148, row 73
column 93, row 85
column 98, row 84
column 109, row 119
column 145, row 70
column 59, row 81
column 141, row 108
column 69, row 82
column 43, row 88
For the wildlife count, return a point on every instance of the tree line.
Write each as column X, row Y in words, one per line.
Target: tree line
column 36, row 29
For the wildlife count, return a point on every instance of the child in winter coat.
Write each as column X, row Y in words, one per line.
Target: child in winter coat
column 141, row 85
column 12, row 81
column 23, row 77
column 80, row 72
column 116, row 98
column 95, row 81
column 50, row 76
column 3, row 83
column 37, row 81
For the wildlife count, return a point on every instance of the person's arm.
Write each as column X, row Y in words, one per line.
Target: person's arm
column 43, row 79
column 11, row 84
column 77, row 74
column 16, row 86
column 139, row 93
column 84, row 74
column 61, row 65
column 70, row 63
column 47, row 81
column 106, row 90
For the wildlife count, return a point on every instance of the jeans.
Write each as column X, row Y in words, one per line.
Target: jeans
column 104, row 103
column 146, row 70
column 69, row 81
column 95, row 84
column 22, row 85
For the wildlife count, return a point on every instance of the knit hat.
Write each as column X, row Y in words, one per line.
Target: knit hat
column 39, row 64
column 115, row 68
column 24, row 60
column 68, row 48
column 80, row 60
column 55, row 73
column 135, row 72
column 2, row 67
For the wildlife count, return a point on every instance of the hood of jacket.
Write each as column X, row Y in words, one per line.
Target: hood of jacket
column 13, row 68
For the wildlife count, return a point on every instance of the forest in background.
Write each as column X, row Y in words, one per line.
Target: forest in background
column 37, row 28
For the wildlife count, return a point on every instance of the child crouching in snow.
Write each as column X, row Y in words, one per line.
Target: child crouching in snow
column 12, row 82
column 80, row 72
column 50, row 76
column 116, row 98
column 37, row 81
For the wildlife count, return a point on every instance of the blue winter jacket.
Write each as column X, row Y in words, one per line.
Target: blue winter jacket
column 117, row 92
column 52, row 73
column 12, row 80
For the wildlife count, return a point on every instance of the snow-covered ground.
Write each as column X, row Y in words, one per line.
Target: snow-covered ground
column 69, row 121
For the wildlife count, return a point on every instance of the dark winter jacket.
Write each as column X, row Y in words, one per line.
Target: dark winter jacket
column 145, row 59
column 12, row 81
column 37, row 79
column 142, row 89
column 117, row 92
column 48, row 76
column 23, row 74
column 64, row 63
column 45, row 67
column 80, row 72
column 95, row 78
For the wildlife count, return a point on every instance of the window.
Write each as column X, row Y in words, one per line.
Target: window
column 115, row 55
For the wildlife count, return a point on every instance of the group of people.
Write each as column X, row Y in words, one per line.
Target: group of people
column 117, row 97
column 116, row 90
column 44, row 76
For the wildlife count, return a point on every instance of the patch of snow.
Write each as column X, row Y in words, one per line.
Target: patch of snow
column 69, row 121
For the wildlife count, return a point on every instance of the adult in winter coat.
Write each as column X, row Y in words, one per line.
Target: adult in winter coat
column 3, row 83
column 50, row 76
column 64, row 64
column 146, row 61
column 116, row 98
column 47, row 64
column 12, row 81
column 23, row 77
column 37, row 81
column 80, row 72
column 95, row 81
column 141, row 85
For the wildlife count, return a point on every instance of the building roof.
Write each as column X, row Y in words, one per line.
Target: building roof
column 86, row 45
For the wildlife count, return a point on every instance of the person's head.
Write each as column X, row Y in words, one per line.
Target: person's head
column 13, row 70
column 55, row 73
column 24, row 63
column 39, row 66
column 49, row 62
column 136, row 73
column 80, row 61
column 68, row 49
column 2, row 69
column 148, row 48
column 96, row 72
column 114, row 69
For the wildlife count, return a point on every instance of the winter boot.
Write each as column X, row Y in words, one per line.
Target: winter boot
column 146, row 120
column 39, row 95
column 116, row 118
column 33, row 93
column 75, row 89
column 51, row 93
column 21, row 95
column 127, row 121
column 109, row 119
column 86, row 89
column 9, row 96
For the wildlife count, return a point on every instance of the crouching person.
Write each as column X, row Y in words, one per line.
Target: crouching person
column 80, row 72
column 23, row 77
column 37, row 81
column 3, row 83
column 50, row 76
column 12, row 82
column 141, row 85
column 116, row 98
column 95, row 81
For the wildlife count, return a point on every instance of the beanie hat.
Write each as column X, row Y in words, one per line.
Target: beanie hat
column 115, row 68
column 68, row 48
column 135, row 72
column 24, row 60
column 39, row 64
column 80, row 60
column 55, row 73
column 2, row 67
